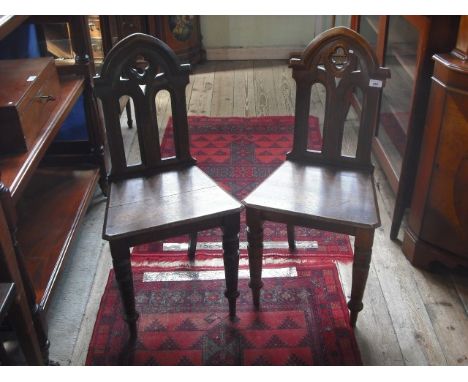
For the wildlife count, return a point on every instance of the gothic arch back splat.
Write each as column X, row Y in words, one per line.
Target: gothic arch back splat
column 139, row 66
column 341, row 60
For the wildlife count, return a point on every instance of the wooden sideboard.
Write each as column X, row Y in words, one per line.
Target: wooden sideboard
column 438, row 222
column 46, row 190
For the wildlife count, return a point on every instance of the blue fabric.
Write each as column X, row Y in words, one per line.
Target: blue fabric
column 74, row 127
column 23, row 43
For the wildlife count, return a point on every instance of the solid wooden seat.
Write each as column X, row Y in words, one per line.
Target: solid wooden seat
column 164, row 201
column 325, row 189
column 323, row 193
column 161, row 197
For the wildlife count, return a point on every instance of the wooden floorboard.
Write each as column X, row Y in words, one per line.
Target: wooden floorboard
column 188, row 93
column 460, row 282
column 317, row 102
column 447, row 315
column 202, row 89
column 244, row 93
column 284, row 88
column 377, row 346
column 222, row 100
column 164, row 111
column 411, row 322
column 265, row 97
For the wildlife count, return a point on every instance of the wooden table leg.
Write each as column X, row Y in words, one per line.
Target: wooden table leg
column 123, row 274
column 255, row 250
column 231, row 228
column 362, row 257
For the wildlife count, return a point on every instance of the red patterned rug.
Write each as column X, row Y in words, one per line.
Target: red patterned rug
column 184, row 321
column 239, row 153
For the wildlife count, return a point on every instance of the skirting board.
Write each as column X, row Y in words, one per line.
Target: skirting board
column 261, row 53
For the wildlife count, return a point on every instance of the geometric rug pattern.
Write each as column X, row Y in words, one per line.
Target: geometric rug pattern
column 303, row 320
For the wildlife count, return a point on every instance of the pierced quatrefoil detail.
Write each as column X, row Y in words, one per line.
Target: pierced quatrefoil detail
column 339, row 58
column 139, row 69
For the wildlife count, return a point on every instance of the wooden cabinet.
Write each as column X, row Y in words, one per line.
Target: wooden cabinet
column 438, row 221
column 45, row 190
column 181, row 33
column 405, row 44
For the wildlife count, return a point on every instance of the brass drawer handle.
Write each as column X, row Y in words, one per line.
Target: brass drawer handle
column 45, row 98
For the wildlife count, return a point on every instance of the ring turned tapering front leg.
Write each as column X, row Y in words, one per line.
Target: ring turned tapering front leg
column 255, row 250
column 231, row 228
column 123, row 274
column 362, row 258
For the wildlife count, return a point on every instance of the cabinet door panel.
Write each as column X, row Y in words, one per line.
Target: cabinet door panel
column 445, row 221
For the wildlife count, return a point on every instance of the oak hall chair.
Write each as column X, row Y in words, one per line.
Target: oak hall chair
column 325, row 189
column 161, row 197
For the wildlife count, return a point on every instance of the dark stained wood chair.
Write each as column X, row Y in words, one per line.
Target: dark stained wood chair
column 325, row 189
column 161, row 197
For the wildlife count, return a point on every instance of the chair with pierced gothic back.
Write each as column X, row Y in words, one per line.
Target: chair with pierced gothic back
column 161, row 197
column 325, row 189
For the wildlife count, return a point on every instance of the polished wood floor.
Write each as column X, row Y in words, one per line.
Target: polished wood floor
column 410, row 317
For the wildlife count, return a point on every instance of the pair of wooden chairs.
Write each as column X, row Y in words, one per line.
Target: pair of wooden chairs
column 166, row 197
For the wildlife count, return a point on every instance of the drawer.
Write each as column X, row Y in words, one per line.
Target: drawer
column 30, row 93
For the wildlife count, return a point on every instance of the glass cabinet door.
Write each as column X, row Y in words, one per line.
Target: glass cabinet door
column 395, row 41
column 404, row 44
column 94, row 25
column 369, row 29
column 395, row 108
